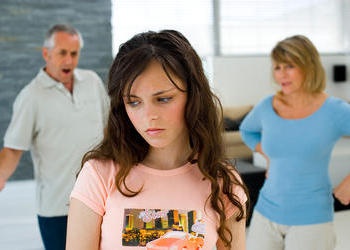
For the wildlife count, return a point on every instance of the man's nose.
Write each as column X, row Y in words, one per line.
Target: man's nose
column 68, row 59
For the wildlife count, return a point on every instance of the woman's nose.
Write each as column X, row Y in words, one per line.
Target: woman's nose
column 283, row 72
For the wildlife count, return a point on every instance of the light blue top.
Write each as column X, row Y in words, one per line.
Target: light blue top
column 298, row 190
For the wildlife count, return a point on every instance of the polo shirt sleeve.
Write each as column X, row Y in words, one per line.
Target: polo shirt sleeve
column 21, row 130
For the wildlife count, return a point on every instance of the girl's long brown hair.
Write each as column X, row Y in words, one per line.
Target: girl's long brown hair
column 203, row 115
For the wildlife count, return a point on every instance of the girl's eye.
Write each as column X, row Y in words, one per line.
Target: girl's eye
column 164, row 99
column 133, row 103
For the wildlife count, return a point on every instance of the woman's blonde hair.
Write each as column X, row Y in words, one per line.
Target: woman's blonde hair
column 300, row 51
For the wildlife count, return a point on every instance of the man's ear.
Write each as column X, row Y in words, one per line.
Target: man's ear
column 45, row 53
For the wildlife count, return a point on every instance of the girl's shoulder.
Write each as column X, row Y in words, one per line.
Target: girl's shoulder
column 231, row 167
column 238, row 187
column 104, row 169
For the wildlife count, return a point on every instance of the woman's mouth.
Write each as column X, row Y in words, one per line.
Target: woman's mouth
column 284, row 84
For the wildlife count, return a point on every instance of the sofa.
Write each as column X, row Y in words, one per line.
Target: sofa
column 234, row 146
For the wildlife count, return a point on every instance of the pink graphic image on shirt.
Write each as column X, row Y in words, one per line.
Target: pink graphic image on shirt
column 163, row 229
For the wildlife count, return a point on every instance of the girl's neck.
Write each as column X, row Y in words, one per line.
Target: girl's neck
column 167, row 159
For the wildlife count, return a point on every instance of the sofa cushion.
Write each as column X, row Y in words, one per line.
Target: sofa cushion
column 233, row 124
column 236, row 112
column 234, row 146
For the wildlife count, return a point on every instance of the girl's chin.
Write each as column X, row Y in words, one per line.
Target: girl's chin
column 156, row 145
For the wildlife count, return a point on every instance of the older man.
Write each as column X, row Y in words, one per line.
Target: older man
column 58, row 116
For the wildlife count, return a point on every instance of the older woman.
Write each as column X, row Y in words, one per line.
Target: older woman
column 295, row 129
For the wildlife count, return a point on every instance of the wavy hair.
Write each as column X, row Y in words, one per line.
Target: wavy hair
column 125, row 146
column 300, row 51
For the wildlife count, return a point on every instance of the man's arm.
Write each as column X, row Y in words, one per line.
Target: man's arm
column 9, row 159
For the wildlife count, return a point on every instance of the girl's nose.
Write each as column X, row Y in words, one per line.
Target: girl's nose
column 151, row 112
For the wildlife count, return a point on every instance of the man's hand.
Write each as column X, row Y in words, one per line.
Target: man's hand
column 342, row 191
column 2, row 183
column 9, row 159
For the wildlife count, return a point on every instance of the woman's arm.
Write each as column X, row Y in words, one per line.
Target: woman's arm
column 238, row 230
column 84, row 227
column 258, row 149
column 342, row 191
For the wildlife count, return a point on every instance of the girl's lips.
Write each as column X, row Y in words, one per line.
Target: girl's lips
column 154, row 131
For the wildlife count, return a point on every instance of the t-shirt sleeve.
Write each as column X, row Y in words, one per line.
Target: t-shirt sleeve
column 91, row 188
column 240, row 194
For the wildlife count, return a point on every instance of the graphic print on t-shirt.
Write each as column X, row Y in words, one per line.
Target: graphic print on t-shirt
column 163, row 229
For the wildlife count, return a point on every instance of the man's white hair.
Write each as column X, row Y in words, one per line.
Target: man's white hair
column 49, row 41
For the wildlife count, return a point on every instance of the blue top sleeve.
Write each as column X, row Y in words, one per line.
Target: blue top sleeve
column 251, row 126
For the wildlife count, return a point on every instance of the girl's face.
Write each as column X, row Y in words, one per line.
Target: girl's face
column 156, row 108
column 289, row 77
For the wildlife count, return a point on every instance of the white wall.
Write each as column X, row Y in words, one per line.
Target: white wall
column 245, row 80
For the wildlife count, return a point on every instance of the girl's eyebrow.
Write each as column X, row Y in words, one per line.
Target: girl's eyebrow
column 155, row 94
column 163, row 91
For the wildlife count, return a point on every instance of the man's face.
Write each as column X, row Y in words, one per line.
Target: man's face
column 63, row 58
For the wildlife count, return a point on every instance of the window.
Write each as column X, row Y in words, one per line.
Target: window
column 241, row 26
column 193, row 18
column 253, row 26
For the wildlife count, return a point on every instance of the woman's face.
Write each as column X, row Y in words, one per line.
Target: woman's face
column 289, row 77
column 156, row 108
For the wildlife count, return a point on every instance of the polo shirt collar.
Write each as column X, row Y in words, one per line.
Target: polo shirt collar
column 48, row 82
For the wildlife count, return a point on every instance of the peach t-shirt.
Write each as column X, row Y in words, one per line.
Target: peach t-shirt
column 169, row 211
